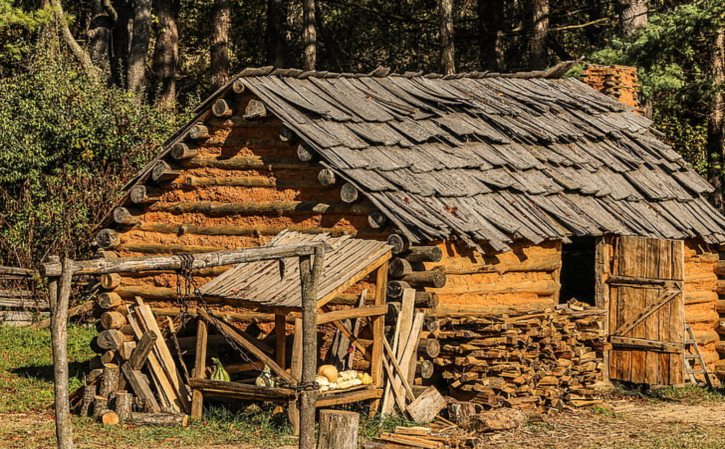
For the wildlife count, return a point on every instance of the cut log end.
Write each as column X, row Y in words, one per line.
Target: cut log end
column 377, row 220
column 162, row 171
column 110, row 418
column 326, row 177
column 399, row 242
column 255, row 110
column 286, row 134
column 123, row 216
column 198, row 132
column 304, row 154
column 107, row 238
column 349, row 193
column 221, row 108
column 181, row 150
column 238, row 86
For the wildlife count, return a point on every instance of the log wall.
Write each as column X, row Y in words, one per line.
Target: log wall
column 701, row 298
column 241, row 186
column 524, row 279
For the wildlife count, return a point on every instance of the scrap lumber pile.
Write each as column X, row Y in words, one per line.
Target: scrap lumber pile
column 531, row 361
column 438, row 434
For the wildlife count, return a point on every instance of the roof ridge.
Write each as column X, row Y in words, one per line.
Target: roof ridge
column 554, row 72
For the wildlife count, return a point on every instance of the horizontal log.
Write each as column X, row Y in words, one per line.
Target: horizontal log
column 433, row 278
column 377, row 220
column 234, row 230
column 239, row 317
column 399, row 242
column 107, row 238
column 245, row 163
column 181, row 150
column 123, row 216
column 26, row 272
column 399, row 267
column 359, row 312
column 158, row 419
column 721, row 287
column 141, row 194
column 286, row 134
column 238, row 86
column 109, row 300
column 221, row 108
column 251, row 181
column 700, row 297
column 429, row 347
column 161, row 248
column 543, row 263
column 198, row 132
column 539, row 288
column 424, row 368
column 303, row 154
column 162, row 171
column 206, row 260
column 644, row 344
column 720, row 348
column 23, row 303
column 395, row 288
column 720, row 268
column 234, row 389
column 721, row 306
column 255, row 109
column 326, row 177
column 113, row 320
column 218, row 209
column 111, row 339
column 349, row 193
column 424, row 254
column 110, row 281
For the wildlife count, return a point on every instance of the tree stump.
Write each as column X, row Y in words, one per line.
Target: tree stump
column 124, row 405
column 100, row 406
column 338, row 429
column 109, row 380
column 89, row 393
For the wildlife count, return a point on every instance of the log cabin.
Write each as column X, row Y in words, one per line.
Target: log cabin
column 500, row 194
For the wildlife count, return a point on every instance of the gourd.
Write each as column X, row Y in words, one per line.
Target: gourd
column 219, row 373
column 329, row 371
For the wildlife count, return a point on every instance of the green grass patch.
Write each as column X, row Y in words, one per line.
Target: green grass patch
column 26, row 366
column 688, row 394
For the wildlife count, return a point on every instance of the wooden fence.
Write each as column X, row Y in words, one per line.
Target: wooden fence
column 21, row 301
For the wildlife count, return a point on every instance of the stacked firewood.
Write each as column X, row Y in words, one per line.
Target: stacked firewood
column 134, row 361
column 531, row 361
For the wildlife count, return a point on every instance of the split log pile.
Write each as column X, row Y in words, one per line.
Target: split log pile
column 531, row 361
column 438, row 434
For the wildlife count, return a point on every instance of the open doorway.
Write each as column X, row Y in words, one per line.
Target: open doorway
column 577, row 270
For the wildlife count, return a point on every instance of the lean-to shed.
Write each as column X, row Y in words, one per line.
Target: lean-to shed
column 502, row 192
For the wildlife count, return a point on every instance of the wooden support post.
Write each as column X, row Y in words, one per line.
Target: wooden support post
column 338, row 429
column 280, row 332
column 63, row 426
column 296, row 371
column 197, row 397
column 378, row 324
column 310, row 274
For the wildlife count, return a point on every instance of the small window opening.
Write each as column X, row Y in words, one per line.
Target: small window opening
column 577, row 270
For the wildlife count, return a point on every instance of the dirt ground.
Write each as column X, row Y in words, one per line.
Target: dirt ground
column 625, row 423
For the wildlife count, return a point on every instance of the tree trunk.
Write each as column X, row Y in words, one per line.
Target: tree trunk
column 490, row 34
column 632, row 16
column 539, row 32
column 139, row 47
column 166, row 54
column 277, row 38
column 716, row 121
column 78, row 52
column 221, row 23
column 99, row 33
column 121, row 40
column 445, row 14
column 309, row 35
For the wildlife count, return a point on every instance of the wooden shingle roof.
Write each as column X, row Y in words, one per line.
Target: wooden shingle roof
column 491, row 157
column 272, row 283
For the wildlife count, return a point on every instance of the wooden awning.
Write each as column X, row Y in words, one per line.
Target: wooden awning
column 277, row 283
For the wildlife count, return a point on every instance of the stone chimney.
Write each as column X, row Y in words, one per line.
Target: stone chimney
column 616, row 81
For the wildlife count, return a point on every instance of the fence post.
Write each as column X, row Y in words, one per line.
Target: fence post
column 59, row 335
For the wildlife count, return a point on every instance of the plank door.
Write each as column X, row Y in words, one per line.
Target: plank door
column 646, row 311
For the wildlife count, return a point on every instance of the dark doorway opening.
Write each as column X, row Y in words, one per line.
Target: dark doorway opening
column 577, row 270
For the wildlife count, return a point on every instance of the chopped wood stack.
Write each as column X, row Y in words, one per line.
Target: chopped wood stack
column 531, row 361
column 438, row 434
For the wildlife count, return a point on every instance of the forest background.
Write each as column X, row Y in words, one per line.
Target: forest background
column 89, row 89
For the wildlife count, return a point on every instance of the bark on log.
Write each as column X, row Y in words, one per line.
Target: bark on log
column 424, row 254
column 426, row 300
column 124, row 405
column 107, row 238
column 89, row 393
column 113, row 320
column 221, row 108
column 218, row 209
column 100, row 406
column 395, row 288
column 198, row 132
column 399, row 242
column 59, row 300
column 109, row 380
column 255, row 109
column 349, row 193
column 107, row 357
column 159, row 419
column 123, row 216
column 433, row 278
column 326, row 177
column 141, row 194
column 399, row 267
column 338, row 429
column 162, row 171
column 181, row 151
column 109, row 300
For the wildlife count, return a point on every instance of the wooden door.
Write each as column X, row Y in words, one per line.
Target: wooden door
column 646, row 310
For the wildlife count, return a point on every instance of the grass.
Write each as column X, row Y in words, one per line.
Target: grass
column 26, row 395
column 687, row 394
